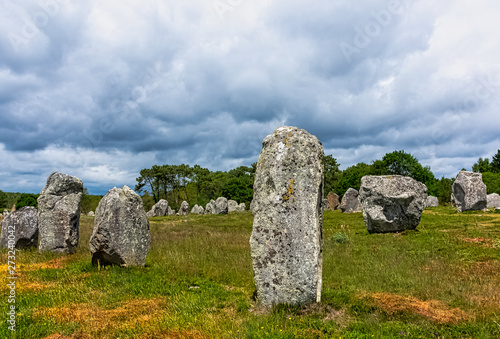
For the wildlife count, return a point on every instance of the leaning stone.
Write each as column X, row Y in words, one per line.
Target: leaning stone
column 59, row 213
column 469, row 191
column 391, row 203
column 431, row 201
column 184, row 209
column 350, row 202
column 493, row 200
column 333, row 201
column 232, row 206
column 121, row 233
column 286, row 240
column 160, row 209
column 22, row 227
column 221, row 205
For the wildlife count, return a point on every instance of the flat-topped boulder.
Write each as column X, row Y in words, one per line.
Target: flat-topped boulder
column 350, row 202
column 469, row 192
column 391, row 203
column 286, row 240
column 59, row 213
column 121, row 233
column 21, row 228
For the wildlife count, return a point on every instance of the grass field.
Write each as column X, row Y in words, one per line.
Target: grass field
column 442, row 281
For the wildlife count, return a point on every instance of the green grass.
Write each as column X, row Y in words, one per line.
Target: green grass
column 440, row 281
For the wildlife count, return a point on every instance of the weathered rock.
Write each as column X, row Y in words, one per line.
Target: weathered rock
column 59, row 213
column 391, row 203
column 350, row 202
column 333, row 201
column 21, row 227
column 286, row 240
column 469, row 191
column 221, row 205
column 197, row 210
column 160, row 209
column 91, row 214
column 184, row 209
column 121, row 230
column 493, row 200
column 232, row 206
column 431, row 201
column 325, row 205
column 5, row 212
column 242, row 207
column 210, row 207
column 170, row 211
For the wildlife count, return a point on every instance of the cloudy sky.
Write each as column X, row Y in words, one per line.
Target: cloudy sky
column 102, row 89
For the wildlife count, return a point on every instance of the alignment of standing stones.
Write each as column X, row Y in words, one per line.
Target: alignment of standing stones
column 21, row 227
column 286, row 240
column 391, row 203
column 59, row 213
column 121, row 230
column 350, row 202
column 469, row 192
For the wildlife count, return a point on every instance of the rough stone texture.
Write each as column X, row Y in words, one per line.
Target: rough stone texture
column 242, row 207
column 197, row 210
column 325, row 205
column 59, row 213
column 469, row 191
column 286, row 240
column 391, row 203
column 232, row 206
column 170, row 211
column 160, row 209
column 252, row 206
column 333, row 201
column 431, row 201
column 121, row 230
column 24, row 224
column 493, row 200
column 210, row 207
column 91, row 214
column 5, row 213
column 184, row 209
column 350, row 202
column 221, row 206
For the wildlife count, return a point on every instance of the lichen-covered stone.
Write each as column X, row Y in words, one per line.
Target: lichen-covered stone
column 121, row 233
column 286, row 240
column 23, row 226
column 391, row 203
column 232, row 206
column 242, row 207
column 221, row 206
column 493, row 200
column 469, row 192
column 160, row 209
column 432, row 201
column 210, row 207
column 59, row 213
column 333, row 201
column 350, row 202
column 184, row 209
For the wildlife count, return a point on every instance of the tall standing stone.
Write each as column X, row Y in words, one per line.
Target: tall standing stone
column 22, row 227
column 160, row 209
column 469, row 191
column 391, row 203
column 121, row 230
column 59, row 213
column 286, row 240
column 333, row 201
column 350, row 202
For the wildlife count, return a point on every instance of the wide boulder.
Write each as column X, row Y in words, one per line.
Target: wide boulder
column 232, row 206
column 184, row 209
column 391, row 203
column 350, row 202
column 469, row 192
column 286, row 240
column 431, row 201
column 59, row 213
column 20, row 229
column 221, row 206
column 121, row 233
column 160, row 209
column 333, row 201
column 493, row 200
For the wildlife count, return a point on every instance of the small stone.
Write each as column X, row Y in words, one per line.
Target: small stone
column 160, row 209
column 121, row 233
column 350, row 202
column 210, row 207
column 23, row 224
column 221, row 206
column 333, row 201
column 493, row 200
column 91, row 214
column 232, row 206
column 431, row 201
column 184, row 209
column 242, row 207
column 197, row 210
